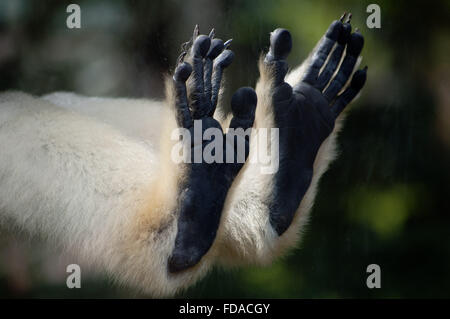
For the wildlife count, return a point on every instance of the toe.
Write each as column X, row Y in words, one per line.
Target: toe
column 280, row 44
column 215, row 49
column 243, row 102
column 225, row 58
column 201, row 46
column 355, row 44
column 182, row 72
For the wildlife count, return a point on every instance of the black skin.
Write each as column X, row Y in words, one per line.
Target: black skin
column 305, row 113
column 203, row 191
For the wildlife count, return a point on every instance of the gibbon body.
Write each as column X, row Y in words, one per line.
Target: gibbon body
column 94, row 176
column 82, row 171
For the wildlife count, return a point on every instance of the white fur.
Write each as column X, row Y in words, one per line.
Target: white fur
column 140, row 119
column 90, row 189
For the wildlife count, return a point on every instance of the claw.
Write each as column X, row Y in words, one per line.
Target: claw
column 186, row 45
column 181, row 57
column 196, row 32
column 227, row 44
column 212, row 34
column 349, row 18
column 216, row 47
column 280, row 44
column 343, row 16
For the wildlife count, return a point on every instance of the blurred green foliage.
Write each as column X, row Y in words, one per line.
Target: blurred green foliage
column 385, row 200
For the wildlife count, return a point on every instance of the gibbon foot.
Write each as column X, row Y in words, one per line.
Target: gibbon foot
column 305, row 113
column 206, row 185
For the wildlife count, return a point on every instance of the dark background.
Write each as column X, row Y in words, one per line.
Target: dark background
column 384, row 201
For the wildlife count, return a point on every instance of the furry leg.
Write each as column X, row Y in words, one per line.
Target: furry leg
column 91, row 190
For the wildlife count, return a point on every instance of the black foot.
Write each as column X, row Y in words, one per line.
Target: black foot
column 305, row 113
column 203, row 193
